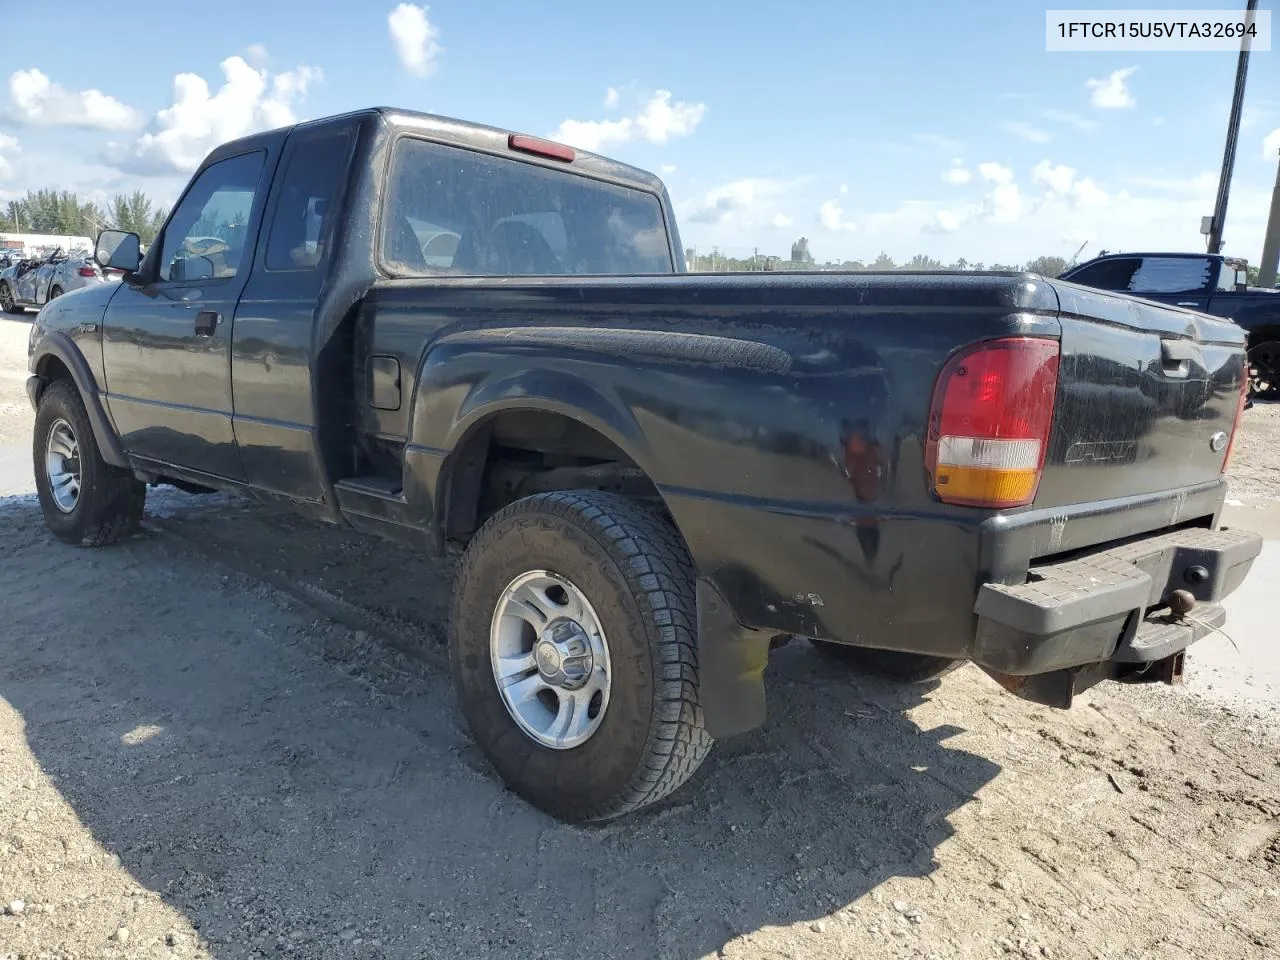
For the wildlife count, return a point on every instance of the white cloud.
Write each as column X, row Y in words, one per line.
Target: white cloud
column 831, row 216
column 1067, row 118
column 1025, row 131
column 662, row 120
column 995, row 172
column 957, row 176
column 1271, row 145
column 181, row 135
column 948, row 222
column 740, row 201
column 1061, row 181
column 37, row 100
column 1089, row 194
column 611, row 98
column 1005, row 205
column 257, row 54
column 844, row 189
column 781, row 220
column 668, row 168
column 1112, row 92
column 657, row 121
column 1058, row 179
column 7, row 145
column 415, row 38
column 1014, row 221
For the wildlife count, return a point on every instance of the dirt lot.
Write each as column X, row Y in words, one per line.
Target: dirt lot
column 232, row 737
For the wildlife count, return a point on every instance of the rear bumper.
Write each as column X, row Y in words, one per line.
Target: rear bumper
column 1111, row 606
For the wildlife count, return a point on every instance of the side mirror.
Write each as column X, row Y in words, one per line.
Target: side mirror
column 119, row 250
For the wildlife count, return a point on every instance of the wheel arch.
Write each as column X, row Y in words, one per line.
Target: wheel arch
column 56, row 357
column 733, row 657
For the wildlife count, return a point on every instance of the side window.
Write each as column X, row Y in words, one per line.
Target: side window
column 1171, row 275
column 1107, row 275
column 302, row 222
column 456, row 212
column 207, row 236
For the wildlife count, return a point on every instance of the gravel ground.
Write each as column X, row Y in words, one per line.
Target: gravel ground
column 1255, row 458
column 232, row 737
column 16, row 415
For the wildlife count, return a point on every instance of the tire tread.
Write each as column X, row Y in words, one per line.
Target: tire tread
column 657, row 566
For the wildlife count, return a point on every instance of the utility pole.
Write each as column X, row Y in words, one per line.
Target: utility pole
column 1271, row 240
column 1218, row 220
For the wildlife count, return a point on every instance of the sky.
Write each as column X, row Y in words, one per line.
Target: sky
column 942, row 128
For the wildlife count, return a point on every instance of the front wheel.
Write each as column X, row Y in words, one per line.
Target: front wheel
column 7, row 303
column 574, row 656
column 1264, row 370
column 85, row 500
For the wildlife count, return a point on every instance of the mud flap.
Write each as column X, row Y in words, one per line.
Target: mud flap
column 731, row 662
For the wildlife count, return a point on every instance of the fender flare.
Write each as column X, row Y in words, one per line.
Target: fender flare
column 445, row 419
column 64, row 349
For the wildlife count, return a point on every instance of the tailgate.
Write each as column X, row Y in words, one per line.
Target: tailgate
column 1147, row 398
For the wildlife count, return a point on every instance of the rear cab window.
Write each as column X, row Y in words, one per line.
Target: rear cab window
column 449, row 211
column 1148, row 274
column 1172, row 275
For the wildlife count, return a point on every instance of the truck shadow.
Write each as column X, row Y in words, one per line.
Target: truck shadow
column 307, row 781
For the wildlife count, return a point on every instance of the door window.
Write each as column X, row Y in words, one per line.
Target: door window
column 207, row 236
column 302, row 222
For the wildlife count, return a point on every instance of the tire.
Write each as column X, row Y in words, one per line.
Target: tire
column 631, row 567
column 54, row 293
column 889, row 664
column 1264, row 370
column 7, row 303
column 108, row 501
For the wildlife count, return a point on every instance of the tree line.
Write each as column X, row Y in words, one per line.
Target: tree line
column 62, row 212
column 717, row 262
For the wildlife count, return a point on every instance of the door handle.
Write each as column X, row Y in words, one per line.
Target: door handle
column 1188, row 303
column 207, row 322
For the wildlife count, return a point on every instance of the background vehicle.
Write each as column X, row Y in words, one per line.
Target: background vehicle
column 1199, row 281
column 650, row 476
column 32, row 283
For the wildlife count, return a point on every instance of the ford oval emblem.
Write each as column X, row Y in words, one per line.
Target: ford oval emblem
column 1217, row 442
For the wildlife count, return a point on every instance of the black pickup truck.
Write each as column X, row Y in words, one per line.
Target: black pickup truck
column 1210, row 283
column 485, row 342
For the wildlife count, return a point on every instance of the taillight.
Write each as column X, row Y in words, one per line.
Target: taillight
column 1240, row 405
column 87, row 272
column 990, row 420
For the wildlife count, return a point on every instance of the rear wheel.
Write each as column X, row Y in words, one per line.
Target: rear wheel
column 573, row 652
column 1264, row 370
column 85, row 500
column 55, row 292
column 890, row 664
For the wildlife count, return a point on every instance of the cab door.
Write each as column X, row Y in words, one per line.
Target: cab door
column 167, row 335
